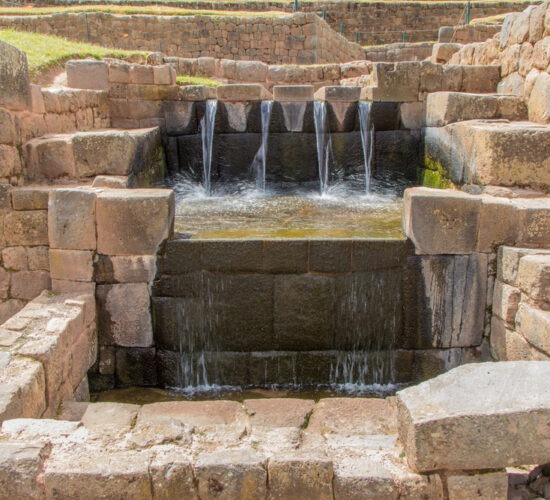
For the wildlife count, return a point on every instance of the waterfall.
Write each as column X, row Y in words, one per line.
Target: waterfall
column 208, row 122
column 323, row 143
column 367, row 139
column 293, row 114
column 260, row 160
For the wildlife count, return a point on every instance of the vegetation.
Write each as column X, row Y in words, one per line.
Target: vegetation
column 126, row 9
column 197, row 80
column 47, row 51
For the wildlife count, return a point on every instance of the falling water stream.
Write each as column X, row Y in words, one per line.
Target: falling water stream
column 367, row 139
column 208, row 122
column 259, row 164
column 323, row 143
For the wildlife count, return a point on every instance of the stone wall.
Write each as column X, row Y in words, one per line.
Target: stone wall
column 377, row 22
column 469, row 33
column 521, row 320
column 395, row 52
column 47, row 350
column 292, row 39
column 522, row 50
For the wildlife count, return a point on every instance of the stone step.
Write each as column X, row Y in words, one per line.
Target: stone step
column 485, row 415
column 264, row 448
column 491, row 152
column 80, row 155
column 443, row 108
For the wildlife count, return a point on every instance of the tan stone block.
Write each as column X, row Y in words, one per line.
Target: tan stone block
column 471, row 417
column 396, row 81
column 541, row 54
column 71, row 219
column 9, row 308
column 534, row 221
column 480, row 79
column 353, row 416
column 49, row 157
column 82, row 357
column 300, row 475
column 4, row 283
column 498, row 223
column 141, row 74
column 111, row 419
column 172, row 474
column 505, row 302
column 126, row 269
column 119, row 72
column 134, row 222
column 536, row 23
column 67, row 286
column 539, row 99
column 8, row 134
column 278, row 412
column 72, row 265
column 26, row 228
column 10, row 163
column 15, row 258
column 534, row 325
column 20, row 465
column 453, row 220
column 492, row 485
column 413, row 115
column 29, row 284
column 231, row 474
column 243, row 92
column 30, row 198
column 119, row 324
column 87, row 74
column 111, row 181
column 534, row 276
column 23, row 388
column 88, row 472
column 38, row 258
column 443, row 108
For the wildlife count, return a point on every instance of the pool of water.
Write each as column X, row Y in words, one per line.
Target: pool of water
column 240, row 211
column 147, row 395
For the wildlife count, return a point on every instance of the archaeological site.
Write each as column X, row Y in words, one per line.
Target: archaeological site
column 274, row 249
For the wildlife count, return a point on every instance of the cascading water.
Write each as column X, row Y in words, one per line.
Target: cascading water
column 259, row 164
column 208, row 122
column 323, row 143
column 367, row 139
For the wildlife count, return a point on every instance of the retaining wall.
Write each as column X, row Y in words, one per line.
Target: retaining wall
column 377, row 22
column 292, row 39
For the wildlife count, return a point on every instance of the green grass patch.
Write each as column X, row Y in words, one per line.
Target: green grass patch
column 122, row 9
column 197, row 80
column 47, row 51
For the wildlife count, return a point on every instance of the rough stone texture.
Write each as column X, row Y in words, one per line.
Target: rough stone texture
column 534, row 276
column 87, row 74
column 534, row 325
column 133, row 222
column 453, row 220
column 278, row 412
column 26, row 228
column 488, row 485
column 120, row 324
column 539, row 99
column 510, row 406
column 73, row 265
column 231, row 474
column 20, row 465
column 49, row 157
column 110, row 418
column 126, row 269
column 293, row 93
column 14, row 78
column 71, row 219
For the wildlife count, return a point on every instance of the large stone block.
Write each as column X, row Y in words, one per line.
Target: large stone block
column 278, row 412
column 534, row 276
column 73, row 265
column 505, row 302
column 133, row 221
column 20, row 465
column 441, row 221
column 509, row 345
column 297, row 476
column 87, row 74
column 124, row 315
column 534, row 325
column 534, row 222
column 293, row 93
column 10, row 163
column 487, row 485
column 539, row 99
column 29, row 284
column 126, row 269
column 71, row 219
column 443, row 108
column 49, row 157
column 477, row 416
column 243, row 92
column 171, row 474
column 26, row 228
column 480, row 79
column 395, row 82
column 14, row 78
column 231, row 474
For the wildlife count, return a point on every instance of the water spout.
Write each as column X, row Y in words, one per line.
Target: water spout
column 367, row 139
column 208, row 122
column 259, row 163
column 323, row 143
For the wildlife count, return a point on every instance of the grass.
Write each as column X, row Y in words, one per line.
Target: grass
column 197, row 80
column 155, row 10
column 47, row 51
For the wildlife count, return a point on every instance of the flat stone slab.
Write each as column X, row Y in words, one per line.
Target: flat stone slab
column 338, row 93
column 245, row 92
column 293, row 93
column 353, row 416
column 278, row 412
column 478, row 416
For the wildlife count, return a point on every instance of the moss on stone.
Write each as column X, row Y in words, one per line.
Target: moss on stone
column 433, row 174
